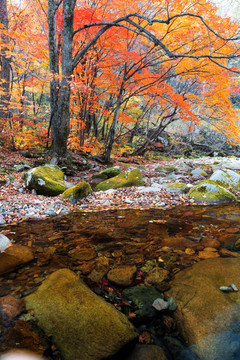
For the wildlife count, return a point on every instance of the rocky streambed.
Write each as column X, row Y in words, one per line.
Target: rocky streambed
column 83, row 286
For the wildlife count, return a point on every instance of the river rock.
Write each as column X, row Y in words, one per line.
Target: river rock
column 77, row 192
column 210, row 192
column 198, row 172
column 108, row 173
column 126, row 179
column 208, row 253
column 4, row 242
column 10, row 306
column 175, row 187
column 122, row 275
column 45, row 180
column 226, row 178
column 143, row 297
column 147, row 352
column 100, row 270
column 83, row 254
column 83, row 325
column 13, row 257
column 156, row 276
column 208, row 319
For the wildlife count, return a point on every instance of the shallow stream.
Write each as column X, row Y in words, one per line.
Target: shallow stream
column 77, row 241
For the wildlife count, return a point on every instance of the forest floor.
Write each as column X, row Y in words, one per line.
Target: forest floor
column 18, row 203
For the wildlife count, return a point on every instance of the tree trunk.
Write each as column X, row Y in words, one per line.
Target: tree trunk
column 60, row 116
column 5, row 63
column 113, row 129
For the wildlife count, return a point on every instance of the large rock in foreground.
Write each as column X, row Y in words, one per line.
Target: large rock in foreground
column 208, row 318
column 83, row 325
column 210, row 192
column 46, row 180
column 126, row 179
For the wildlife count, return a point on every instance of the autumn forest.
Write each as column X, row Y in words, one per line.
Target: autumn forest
column 103, row 76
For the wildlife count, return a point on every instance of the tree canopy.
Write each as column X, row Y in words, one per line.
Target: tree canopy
column 90, row 75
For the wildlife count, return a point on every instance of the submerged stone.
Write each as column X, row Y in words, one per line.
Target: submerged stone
column 126, row 179
column 46, row 180
column 208, row 319
column 83, row 325
column 13, row 257
column 143, row 297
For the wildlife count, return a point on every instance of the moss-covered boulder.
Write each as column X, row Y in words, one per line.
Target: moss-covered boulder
column 226, row 178
column 108, row 173
column 46, row 180
column 174, row 187
column 77, row 192
column 198, row 172
column 83, row 325
column 126, row 179
column 209, row 191
column 208, row 318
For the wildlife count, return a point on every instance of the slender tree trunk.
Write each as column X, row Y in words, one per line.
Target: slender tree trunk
column 60, row 116
column 5, row 63
column 113, row 129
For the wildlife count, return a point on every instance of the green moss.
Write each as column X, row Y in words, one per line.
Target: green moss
column 83, row 325
column 46, row 180
column 226, row 178
column 108, row 173
column 210, row 191
column 126, row 179
column 176, row 187
column 169, row 169
column 77, row 192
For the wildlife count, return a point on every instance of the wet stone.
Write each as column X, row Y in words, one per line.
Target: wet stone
column 83, row 254
column 122, row 275
column 156, row 276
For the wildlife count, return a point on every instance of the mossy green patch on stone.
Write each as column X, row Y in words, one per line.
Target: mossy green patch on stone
column 108, row 173
column 77, row 192
column 83, row 325
column 226, row 178
column 126, row 179
column 46, row 180
column 175, row 187
column 209, row 191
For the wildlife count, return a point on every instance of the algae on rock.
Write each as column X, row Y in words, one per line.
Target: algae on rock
column 108, row 173
column 209, row 191
column 126, row 179
column 83, row 325
column 226, row 178
column 46, row 180
column 77, row 192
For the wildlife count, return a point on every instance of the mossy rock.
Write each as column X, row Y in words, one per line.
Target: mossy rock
column 83, row 325
column 174, row 187
column 209, row 191
column 108, row 173
column 226, row 178
column 77, row 192
column 46, row 180
column 126, row 179
column 198, row 172
column 3, row 180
